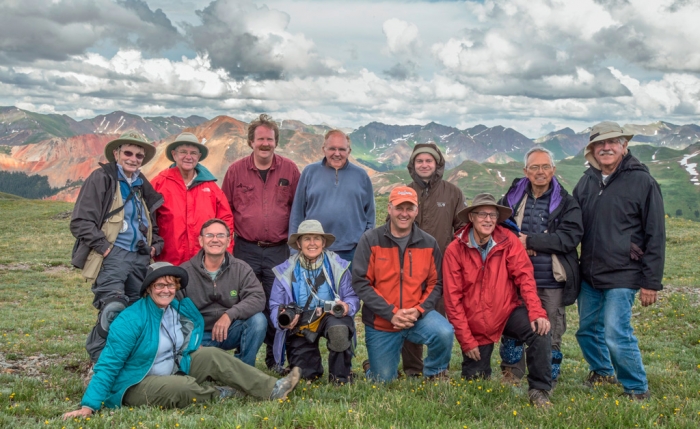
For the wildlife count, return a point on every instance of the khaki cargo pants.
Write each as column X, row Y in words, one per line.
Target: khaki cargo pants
column 208, row 364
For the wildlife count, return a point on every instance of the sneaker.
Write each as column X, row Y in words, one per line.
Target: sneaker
column 539, row 398
column 228, row 392
column 638, row 396
column 594, row 379
column 286, row 384
column 509, row 377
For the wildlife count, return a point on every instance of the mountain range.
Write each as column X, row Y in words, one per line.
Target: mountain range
column 478, row 159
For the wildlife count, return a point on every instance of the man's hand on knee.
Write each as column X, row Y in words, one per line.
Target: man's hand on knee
column 541, row 326
column 220, row 330
column 647, row 297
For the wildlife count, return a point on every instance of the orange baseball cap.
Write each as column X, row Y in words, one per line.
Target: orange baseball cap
column 403, row 194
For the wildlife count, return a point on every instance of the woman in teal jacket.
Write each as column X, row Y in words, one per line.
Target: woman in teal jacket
column 153, row 355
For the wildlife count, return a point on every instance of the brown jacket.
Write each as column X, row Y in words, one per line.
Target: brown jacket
column 438, row 201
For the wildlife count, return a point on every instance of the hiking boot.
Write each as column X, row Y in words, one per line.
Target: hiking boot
column 510, row 378
column 637, row 396
column 594, row 379
column 440, row 376
column 365, row 366
column 279, row 370
column 286, row 384
column 539, row 398
column 88, row 375
column 228, row 392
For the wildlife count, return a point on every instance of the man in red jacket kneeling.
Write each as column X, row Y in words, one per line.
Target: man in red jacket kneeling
column 485, row 270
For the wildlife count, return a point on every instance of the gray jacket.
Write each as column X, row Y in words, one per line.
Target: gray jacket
column 235, row 291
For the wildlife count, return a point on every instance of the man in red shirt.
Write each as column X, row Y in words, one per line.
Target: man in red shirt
column 260, row 189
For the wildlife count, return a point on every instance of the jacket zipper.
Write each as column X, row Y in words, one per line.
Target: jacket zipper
column 410, row 264
column 336, row 177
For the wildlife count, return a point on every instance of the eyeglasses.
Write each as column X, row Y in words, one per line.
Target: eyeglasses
column 129, row 154
column 159, row 287
column 190, row 153
column 336, row 149
column 536, row 168
column 220, row 236
column 613, row 140
column 484, row 215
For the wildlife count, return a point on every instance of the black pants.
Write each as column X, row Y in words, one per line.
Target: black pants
column 307, row 356
column 539, row 353
column 262, row 260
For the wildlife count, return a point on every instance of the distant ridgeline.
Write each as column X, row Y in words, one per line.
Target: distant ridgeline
column 51, row 155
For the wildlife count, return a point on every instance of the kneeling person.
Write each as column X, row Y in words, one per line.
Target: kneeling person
column 485, row 268
column 153, row 356
column 227, row 293
column 308, row 286
column 396, row 272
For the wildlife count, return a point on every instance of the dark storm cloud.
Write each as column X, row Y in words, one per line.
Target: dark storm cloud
column 33, row 30
column 252, row 42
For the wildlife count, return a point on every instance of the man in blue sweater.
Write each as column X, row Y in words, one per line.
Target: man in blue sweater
column 337, row 193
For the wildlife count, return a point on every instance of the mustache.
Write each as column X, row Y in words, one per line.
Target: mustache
column 266, row 147
column 606, row 152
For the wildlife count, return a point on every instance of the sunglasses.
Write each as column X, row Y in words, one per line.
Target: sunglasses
column 129, row 154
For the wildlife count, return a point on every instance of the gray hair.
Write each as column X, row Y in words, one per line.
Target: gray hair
column 539, row 149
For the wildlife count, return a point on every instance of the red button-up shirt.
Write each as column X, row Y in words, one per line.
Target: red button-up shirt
column 261, row 209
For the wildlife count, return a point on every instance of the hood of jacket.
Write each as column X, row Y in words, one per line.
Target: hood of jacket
column 439, row 170
column 519, row 187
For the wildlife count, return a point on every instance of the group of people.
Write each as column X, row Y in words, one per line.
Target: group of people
column 305, row 252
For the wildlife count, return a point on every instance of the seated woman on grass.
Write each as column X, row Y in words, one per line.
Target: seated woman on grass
column 153, row 355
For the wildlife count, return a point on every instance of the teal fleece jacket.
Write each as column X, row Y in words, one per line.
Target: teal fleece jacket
column 132, row 346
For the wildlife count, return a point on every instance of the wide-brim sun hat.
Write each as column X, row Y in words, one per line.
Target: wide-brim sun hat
column 133, row 138
column 603, row 131
column 162, row 269
column 310, row 227
column 482, row 200
column 190, row 140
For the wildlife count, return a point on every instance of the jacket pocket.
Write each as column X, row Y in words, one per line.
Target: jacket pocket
column 619, row 254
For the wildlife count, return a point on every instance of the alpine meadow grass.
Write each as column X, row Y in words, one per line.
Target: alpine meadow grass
column 46, row 312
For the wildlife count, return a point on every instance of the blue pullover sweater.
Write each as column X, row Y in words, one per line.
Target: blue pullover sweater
column 342, row 200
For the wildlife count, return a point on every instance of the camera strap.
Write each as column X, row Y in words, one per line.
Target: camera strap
column 117, row 210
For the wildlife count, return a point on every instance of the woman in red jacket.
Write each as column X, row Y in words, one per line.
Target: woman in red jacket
column 192, row 197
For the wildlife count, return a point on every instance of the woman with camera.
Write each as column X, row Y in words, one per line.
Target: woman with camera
column 153, row 355
column 312, row 297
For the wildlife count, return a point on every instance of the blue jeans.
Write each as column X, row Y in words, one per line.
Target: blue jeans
column 384, row 348
column 606, row 337
column 245, row 335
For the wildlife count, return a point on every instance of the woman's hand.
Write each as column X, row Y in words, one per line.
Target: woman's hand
column 83, row 412
column 293, row 323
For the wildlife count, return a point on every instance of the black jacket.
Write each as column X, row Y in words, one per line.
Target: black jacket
column 564, row 232
column 627, row 210
column 92, row 206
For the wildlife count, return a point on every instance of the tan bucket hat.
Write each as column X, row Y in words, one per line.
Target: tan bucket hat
column 130, row 137
column 485, row 200
column 603, row 131
column 310, row 227
column 188, row 139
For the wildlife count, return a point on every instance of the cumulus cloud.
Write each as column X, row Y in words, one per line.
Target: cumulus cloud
column 34, row 29
column 404, row 45
column 252, row 41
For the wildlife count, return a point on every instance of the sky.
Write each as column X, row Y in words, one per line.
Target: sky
column 532, row 65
